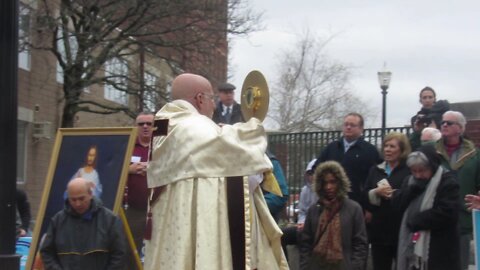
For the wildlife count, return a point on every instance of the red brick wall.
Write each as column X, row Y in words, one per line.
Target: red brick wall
column 472, row 131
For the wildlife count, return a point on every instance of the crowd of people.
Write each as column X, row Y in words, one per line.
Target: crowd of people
column 211, row 195
column 411, row 200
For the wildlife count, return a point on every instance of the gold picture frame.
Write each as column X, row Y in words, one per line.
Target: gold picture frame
column 114, row 147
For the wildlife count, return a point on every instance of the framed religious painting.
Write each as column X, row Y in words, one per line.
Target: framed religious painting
column 100, row 155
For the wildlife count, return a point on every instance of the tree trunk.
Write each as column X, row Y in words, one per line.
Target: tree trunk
column 69, row 109
column 68, row 117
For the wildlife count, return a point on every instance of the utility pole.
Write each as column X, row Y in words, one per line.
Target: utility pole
column 8, row 132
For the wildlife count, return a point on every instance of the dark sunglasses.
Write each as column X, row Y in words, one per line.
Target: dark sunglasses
column 144, row 123
column 448, row 123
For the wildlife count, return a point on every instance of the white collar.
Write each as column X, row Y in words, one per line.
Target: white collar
column 347, row 144
column 224, row 111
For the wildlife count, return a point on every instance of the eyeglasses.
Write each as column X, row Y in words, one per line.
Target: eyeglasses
column 141, row 124
column 350, row 125
column 210, row 96
column 449, row 123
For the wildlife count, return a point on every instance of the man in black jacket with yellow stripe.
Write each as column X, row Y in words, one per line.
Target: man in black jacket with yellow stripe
column 84, row 235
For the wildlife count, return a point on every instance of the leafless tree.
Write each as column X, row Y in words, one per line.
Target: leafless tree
column 85, row 35
column 312, row 91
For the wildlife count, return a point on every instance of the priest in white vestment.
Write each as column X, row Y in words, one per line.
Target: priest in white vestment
column 190, row 219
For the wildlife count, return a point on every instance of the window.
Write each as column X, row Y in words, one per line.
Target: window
column 150, row 94
column 24, row 37
column 117, row 70
column 21, row 150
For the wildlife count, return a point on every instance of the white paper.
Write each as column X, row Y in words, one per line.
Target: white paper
column 383, row 182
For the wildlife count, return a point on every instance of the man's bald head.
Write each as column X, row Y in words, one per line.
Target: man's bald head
column 185, row 86
column 78, row 184
column 195, row 89
column 79, row 192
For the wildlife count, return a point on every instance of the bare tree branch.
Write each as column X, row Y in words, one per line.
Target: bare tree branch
column 85, row 35
column 312, row 91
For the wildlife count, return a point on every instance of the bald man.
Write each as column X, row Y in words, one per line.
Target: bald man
column 84, row 235
column 191, row 163
column 430, row 135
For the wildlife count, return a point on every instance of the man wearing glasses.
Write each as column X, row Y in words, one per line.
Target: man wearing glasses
column 136, row 193
column 190, row 224
column 462, row 158
column 355, row 154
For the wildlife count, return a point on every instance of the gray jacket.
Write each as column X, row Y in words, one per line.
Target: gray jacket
column 354, row 237
column 308, row 197
column 352, row 224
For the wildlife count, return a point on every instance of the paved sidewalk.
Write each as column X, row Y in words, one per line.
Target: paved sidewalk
column 293, row 259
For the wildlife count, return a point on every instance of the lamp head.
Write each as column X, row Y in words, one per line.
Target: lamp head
column 384, row 78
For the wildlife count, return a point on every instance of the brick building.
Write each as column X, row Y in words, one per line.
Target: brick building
column 40, row 96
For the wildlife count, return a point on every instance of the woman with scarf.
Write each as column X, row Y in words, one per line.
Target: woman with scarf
column 334, row 235
column 382, row 179
column 429, row 199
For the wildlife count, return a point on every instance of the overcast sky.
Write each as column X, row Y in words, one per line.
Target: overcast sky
column 434, row 43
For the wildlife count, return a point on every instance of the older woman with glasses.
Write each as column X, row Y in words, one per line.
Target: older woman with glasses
column 429, row 199
column 383, row 222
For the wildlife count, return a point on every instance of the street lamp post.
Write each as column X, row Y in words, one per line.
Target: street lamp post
column 8, row 133
column 384, row 81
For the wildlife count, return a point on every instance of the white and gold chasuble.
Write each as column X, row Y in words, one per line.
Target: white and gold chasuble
column 190, row 218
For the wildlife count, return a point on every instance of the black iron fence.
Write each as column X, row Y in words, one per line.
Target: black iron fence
column 295, row 150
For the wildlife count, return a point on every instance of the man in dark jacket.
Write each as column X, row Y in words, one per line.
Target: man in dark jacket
column 355, row 154
column 23, row 207
column 227, row 111
column 84, row 235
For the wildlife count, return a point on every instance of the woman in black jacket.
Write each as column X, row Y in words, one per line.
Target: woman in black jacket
column 429, row 233
column 383, row 222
